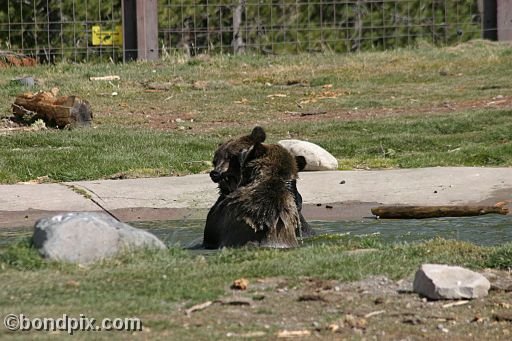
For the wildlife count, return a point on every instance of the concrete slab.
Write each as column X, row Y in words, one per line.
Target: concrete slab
column 424, row 186
column 350, row 194
column 23, row 204
column 192, row 191
column 45, row 197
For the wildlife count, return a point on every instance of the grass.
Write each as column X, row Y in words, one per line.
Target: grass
column 98, row 153
column 479, row 138
column 146, row 284
column 209, row 87
column 403, row 108
column 476, row 138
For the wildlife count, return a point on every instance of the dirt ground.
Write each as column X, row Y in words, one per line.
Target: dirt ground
column 376, row 308
column 154, row 119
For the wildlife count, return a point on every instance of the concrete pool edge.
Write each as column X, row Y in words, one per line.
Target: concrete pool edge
column 338, row 194
column 325, row 212
column 328, row 212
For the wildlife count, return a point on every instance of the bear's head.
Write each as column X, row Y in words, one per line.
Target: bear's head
column 226, row 161
column 269, row 160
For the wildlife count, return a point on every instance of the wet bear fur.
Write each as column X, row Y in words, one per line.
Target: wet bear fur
column 262, row 209
column 227, row 174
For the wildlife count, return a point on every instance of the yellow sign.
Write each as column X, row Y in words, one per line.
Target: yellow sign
column 101, row 37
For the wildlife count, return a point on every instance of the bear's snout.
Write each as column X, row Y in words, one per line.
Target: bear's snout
column 216, row 176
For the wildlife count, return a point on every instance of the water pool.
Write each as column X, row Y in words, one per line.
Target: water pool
column 482, row 230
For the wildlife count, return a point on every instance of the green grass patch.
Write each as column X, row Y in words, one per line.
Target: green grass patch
column 501, row 257
column 475, row 138
column 21, row 256
column 157, row 286
column 100, row 153
column 149, row 282
column 228, row 95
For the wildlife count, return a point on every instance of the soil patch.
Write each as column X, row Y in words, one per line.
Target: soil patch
column 374, row 307
column 172, row 121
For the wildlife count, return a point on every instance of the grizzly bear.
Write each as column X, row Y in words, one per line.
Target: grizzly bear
column 262, row 209
column 226, row 163
column 226, row 172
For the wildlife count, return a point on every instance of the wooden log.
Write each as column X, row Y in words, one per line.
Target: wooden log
column 420, row 212
column 55, row 111
column 105, row 78
column 8, row 58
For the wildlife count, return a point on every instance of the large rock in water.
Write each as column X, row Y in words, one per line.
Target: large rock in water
column 317, row 158
column 436, row 282
column 84, row 237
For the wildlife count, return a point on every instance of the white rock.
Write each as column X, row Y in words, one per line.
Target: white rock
column 437, row 281
column 84, row 237
column 317, row 158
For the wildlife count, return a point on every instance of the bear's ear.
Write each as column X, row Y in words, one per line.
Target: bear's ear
column 258, row 135
column 256, row 151
column 301, row 162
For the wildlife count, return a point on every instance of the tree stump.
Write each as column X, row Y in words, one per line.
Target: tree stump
column 64, row 111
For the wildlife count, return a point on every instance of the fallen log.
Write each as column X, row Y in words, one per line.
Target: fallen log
column 420, row 212
column 55, row 111
column 105, row 78
column 8, row 58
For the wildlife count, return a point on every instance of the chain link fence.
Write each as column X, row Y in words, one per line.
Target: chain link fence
column 53, row 30
column 284, row 26
column 89, row 30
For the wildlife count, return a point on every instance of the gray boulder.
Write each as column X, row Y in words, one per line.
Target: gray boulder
column 436, row 281
column 317, row 158
column 84, row 237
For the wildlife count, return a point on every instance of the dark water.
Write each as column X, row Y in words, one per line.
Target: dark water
column 8, row 235
column 482, row 230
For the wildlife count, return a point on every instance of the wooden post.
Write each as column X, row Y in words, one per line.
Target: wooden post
column 504, row 20
column 147, row 29
column 140, row 29
column 489, row 22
